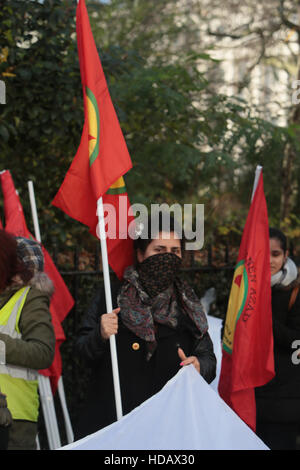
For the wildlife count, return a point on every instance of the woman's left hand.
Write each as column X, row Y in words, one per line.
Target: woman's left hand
column 188, row 360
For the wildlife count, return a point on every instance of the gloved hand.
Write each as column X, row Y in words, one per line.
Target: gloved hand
column 5, row 415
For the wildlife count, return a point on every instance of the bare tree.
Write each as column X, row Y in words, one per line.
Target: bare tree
column 264, row 36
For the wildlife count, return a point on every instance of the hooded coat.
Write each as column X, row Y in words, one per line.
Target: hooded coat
column 35, row 349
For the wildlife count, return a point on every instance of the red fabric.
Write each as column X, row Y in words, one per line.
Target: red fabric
column 247, row 352
column 102, row 157
column 120, row 250
column 61, row 301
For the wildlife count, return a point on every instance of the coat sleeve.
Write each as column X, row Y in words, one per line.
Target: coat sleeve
column 35, row 349
column 204, row 351
column 286, row 334
column 89, row 344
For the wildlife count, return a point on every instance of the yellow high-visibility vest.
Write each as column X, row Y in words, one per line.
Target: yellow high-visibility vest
column 19, row 384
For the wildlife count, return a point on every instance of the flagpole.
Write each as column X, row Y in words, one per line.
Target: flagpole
column 44, row 382
column 46, row 386
column 256, row 179
column 34, row 212
column 109, row 307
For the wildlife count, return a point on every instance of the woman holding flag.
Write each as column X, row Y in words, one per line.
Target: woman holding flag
column 159, row 324
column 278, row 402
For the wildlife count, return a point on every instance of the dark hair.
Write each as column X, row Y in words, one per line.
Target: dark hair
column 278, row 235
column 10, row 264
column 150, row 227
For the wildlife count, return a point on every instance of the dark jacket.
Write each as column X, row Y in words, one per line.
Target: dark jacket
column 279, row 400
column 34, row 350
column 139, row 378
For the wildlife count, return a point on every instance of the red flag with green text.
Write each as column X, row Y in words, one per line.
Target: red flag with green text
column 247, row 348
column 61, row 301
column 102, row 158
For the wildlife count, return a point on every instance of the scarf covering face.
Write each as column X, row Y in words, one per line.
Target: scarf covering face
column 158, row 272
column 286, row 275
column 140, row 311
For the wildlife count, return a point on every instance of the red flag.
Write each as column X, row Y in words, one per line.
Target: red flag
column 119, row 244
column 102, row 157
column 247, row 350
column 61, row 301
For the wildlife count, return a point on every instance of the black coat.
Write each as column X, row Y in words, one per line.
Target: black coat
column 139, row 378
column 4, row 433
column 279, row 400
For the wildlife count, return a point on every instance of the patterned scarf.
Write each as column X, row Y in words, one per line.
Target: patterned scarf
column 140, row 311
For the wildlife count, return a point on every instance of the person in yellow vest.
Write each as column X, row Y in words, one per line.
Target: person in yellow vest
column 27, row 339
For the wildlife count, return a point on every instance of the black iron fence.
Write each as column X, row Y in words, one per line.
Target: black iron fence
column 83, row 270
column 82, row 273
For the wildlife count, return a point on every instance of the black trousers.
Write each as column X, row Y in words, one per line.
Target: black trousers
column 278, row 436
column 4, row 437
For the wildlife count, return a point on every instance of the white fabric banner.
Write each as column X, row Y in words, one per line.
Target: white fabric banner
column 214, row 329
column 186, row 414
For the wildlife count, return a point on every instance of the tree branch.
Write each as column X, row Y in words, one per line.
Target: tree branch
column 230, row 35
column 284, row 19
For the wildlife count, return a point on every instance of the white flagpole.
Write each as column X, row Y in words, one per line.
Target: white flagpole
column 258, row 171
column 49, row 412
column 61, row 392
column 109, row 308
column 44, row 382
column 112, row 339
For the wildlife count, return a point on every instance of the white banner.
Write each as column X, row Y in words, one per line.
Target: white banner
column 186, row 414
column 214, row 329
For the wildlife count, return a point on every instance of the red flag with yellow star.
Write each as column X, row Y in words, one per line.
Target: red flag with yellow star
column 102, row 157
column 247, row 352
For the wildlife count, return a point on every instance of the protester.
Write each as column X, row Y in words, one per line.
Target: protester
column 159, row 325
column 27, row 338
column 278, row 402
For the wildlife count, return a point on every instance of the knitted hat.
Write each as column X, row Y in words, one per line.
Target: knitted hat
column 30, row 252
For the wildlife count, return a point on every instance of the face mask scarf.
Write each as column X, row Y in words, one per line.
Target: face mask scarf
column 154, row 293
column 158, row 272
